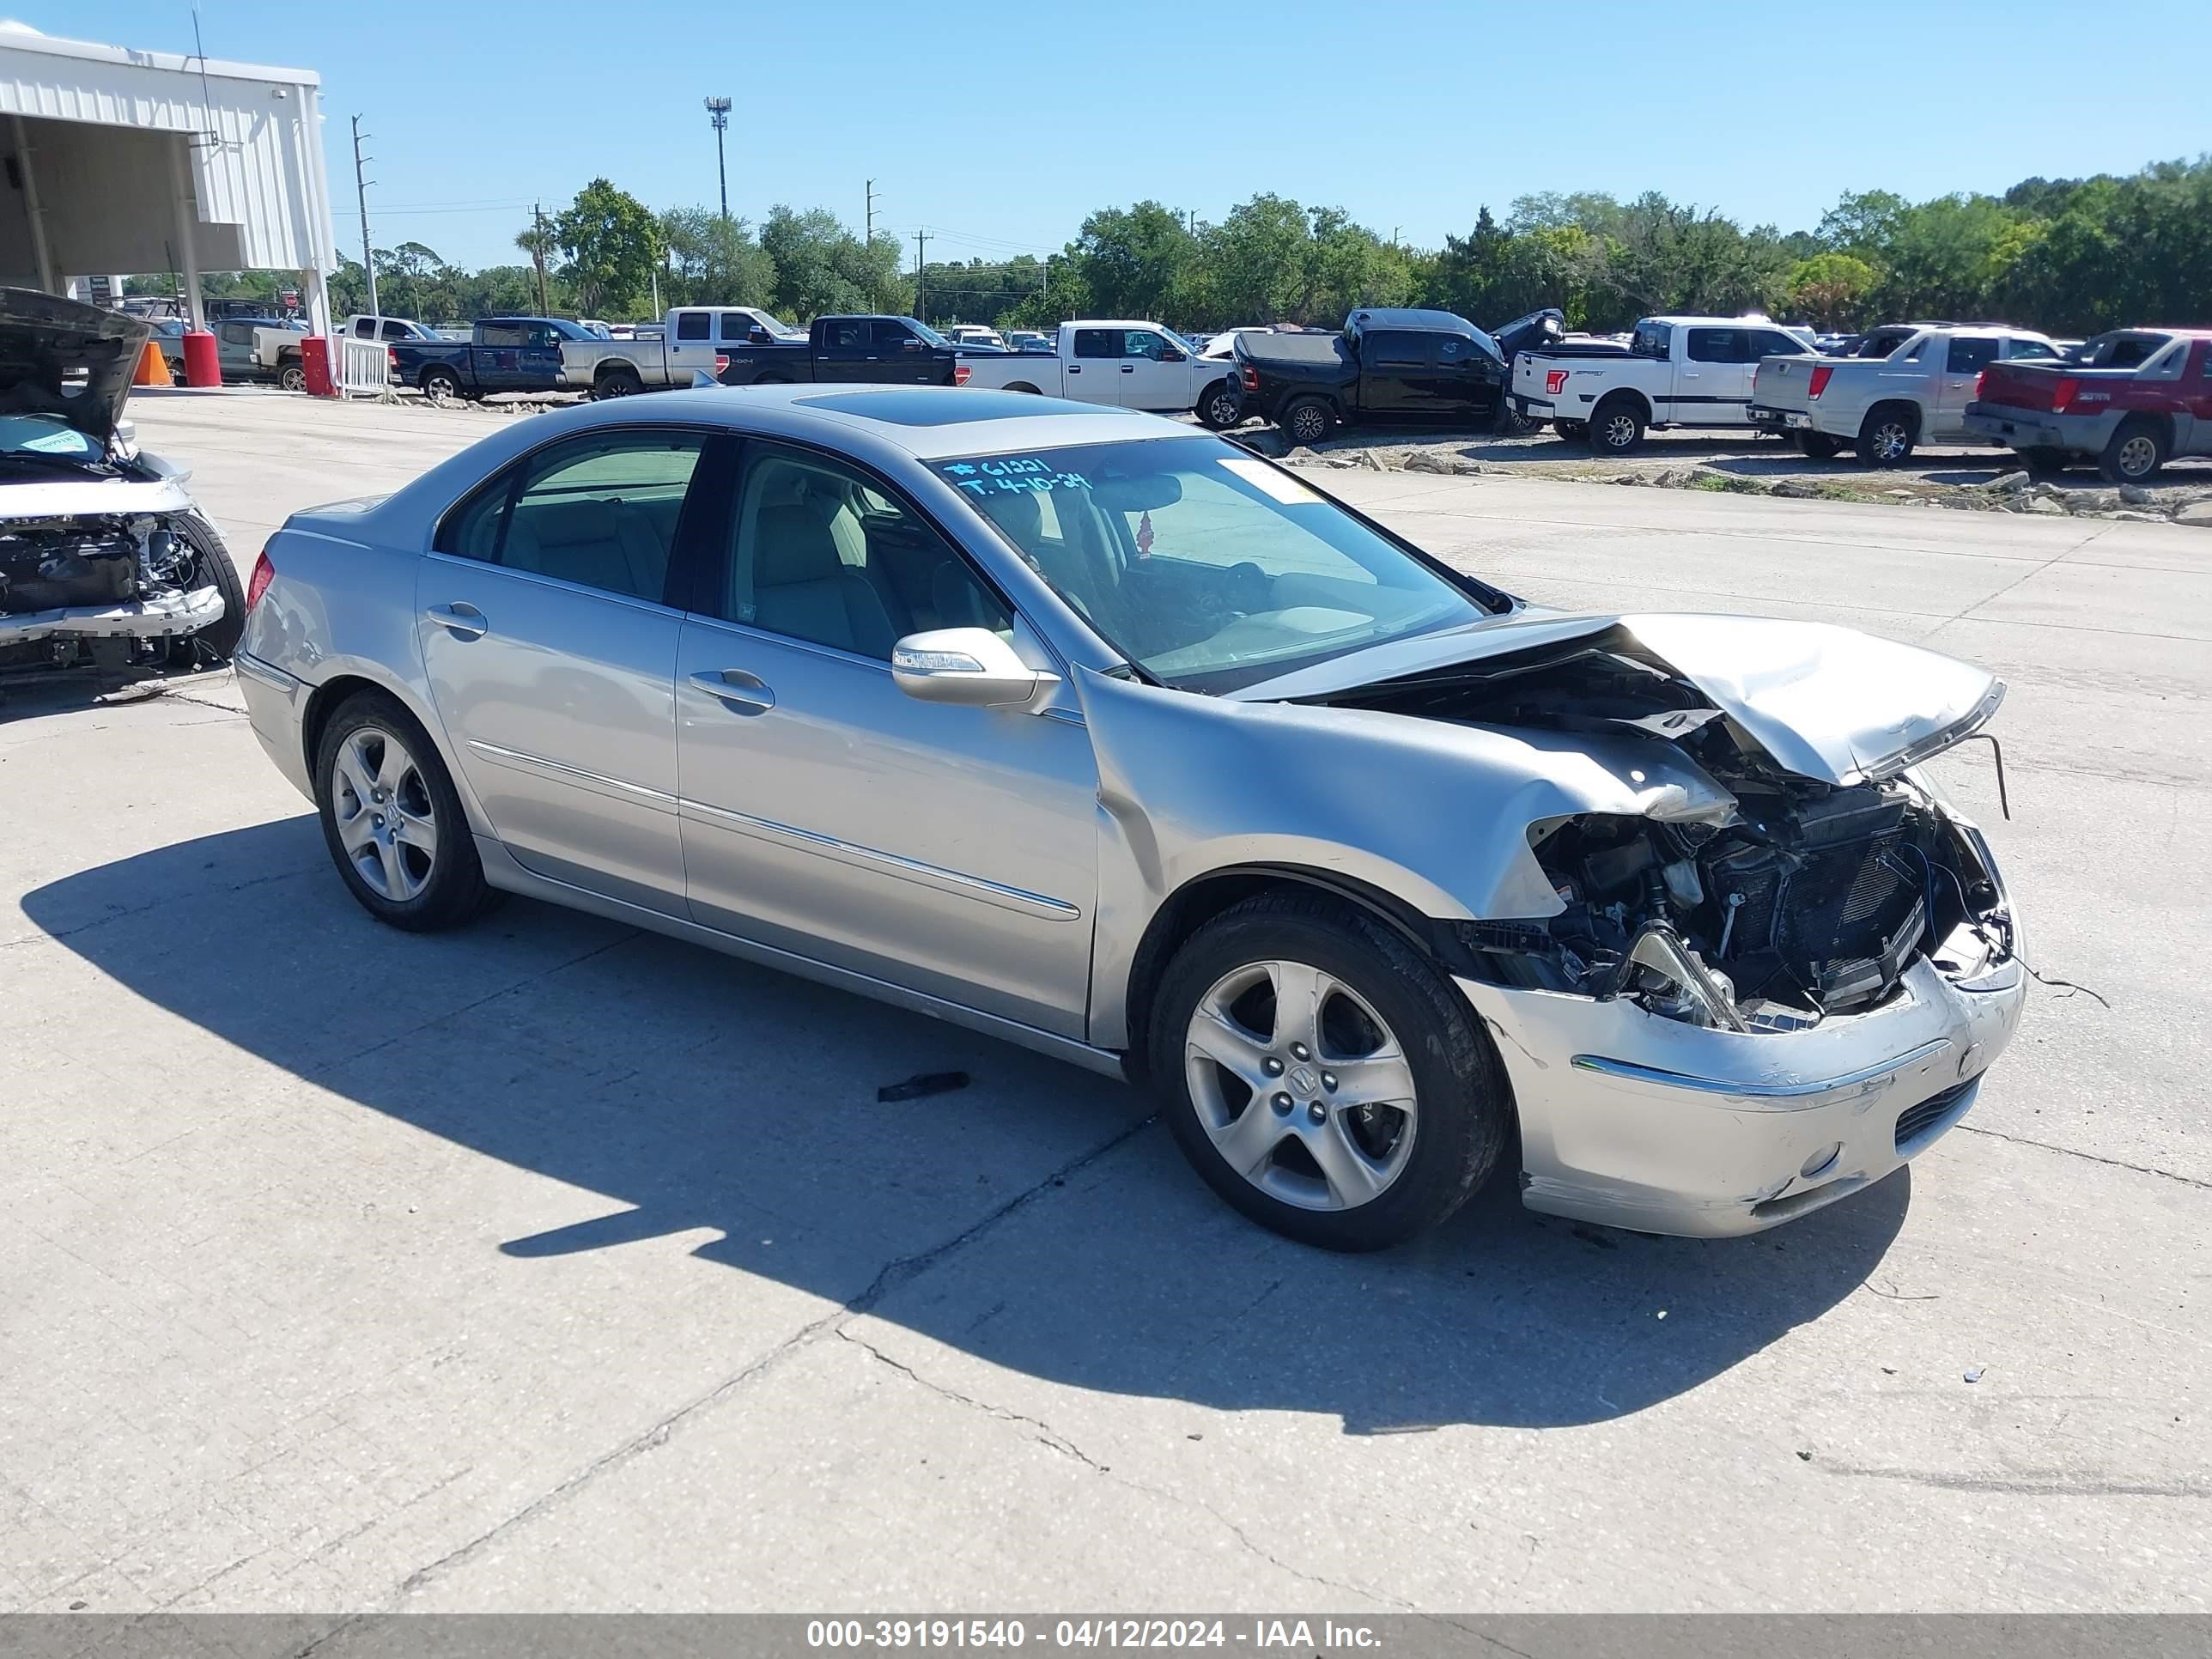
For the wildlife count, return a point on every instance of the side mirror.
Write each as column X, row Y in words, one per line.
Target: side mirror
column 969, row 665
column 1171, row 356
column 757, row 336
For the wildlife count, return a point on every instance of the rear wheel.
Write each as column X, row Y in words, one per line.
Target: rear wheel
column 293, row 376
column 2135, row 455
column 1307, row 421
column 1322, row 1076
column 438, row 384
column 2045, row 463
column 1887, row 435
column 1219, row 407
column 392, row 820
column 1819, row 446
column 1617, row 427
column 622, row 382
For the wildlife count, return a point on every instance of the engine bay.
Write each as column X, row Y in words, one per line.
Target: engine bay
column 93, row 560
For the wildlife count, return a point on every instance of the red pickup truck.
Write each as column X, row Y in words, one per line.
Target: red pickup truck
column 2130, row 400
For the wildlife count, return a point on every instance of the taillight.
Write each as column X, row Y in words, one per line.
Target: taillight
column 392, row 358
column 2063, row 395
column 1555, row 381
column 1251, row 377
column 960, row 373
column 721, row 365
column 258, row 584
column 1819, row 380
column 1978, row 379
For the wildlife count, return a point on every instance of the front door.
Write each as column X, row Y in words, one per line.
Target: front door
column 897, row 354
column 551, row 656
column 1154, row 370
column 950, row 851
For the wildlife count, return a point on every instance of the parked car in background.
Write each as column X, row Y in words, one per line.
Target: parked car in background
column 1656, row 908
column 1132, row 365
column 502, row 354
column 1028, row 339
column 261, row 349
column 2130, row 400
column 975, row 334
column 899, row 351
column 677, row 353
column 593, row 325
column 170, row 333
column 1386, row 366
column 1677, row 371
column 362, row 326
column 105, row 560
column 1915, row 392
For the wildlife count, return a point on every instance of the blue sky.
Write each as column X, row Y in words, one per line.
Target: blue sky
column 1001, row 130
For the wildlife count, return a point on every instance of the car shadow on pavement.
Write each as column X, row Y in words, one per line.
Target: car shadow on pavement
column 1037, row 1218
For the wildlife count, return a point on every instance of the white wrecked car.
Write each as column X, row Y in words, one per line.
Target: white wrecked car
column 104, row 558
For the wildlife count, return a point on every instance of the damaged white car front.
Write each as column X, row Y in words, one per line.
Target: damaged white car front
column 104, row 558
column 1787, row 971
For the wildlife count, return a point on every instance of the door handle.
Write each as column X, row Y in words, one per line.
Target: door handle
column 462, row 621
column 737, row 690
column 1075, row 368
column 1128, row 368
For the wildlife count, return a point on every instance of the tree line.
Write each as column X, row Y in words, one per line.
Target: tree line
column 2071, row 256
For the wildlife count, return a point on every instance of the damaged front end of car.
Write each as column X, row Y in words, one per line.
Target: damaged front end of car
column 120, row 591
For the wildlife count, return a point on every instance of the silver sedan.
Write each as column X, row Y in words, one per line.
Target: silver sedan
column 1108, row 737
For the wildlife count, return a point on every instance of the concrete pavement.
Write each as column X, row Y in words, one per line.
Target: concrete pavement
column 550, row 1266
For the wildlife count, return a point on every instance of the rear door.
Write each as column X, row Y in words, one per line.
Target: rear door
column 1956, row 382
column 1712, row 384
column 842, row 350
column 497, row 356
column 1395, row 374
column 550, row 652
column 1092, row 372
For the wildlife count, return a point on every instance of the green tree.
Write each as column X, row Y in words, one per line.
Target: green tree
column 1831, row 289
column 713, row 261
column 821, row 266
column 610, row 242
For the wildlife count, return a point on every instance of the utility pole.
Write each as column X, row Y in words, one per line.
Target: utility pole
column 718, row 113
column 920, row 242
column 537, row 256
column 360, row 192
column 870, row 239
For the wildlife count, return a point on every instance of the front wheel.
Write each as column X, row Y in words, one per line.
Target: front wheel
column 1819, row 446
column 2135, row 455
column 1219, row 407
column 1307, row 421
column 392, row 820
column 1322, row 1076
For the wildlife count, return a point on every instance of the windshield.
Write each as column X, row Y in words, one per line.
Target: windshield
column 47, row 435
column 926, row 332
column 1208, row 567
column 568, row 330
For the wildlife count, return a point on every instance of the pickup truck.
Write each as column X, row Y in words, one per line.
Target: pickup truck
column 2131, row 400
column 502, row 353
column 1677, row 371
column 1131, row 365
column 362, row 326
column 896, row 349
column 675, row 354
column 1907, row 384
column 1386, row 366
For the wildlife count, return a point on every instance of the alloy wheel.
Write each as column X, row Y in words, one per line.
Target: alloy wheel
column 1301, row 1086
column 1619, row 431
column 2137, row 456
column 385, row 816
column 1221, row 411
column 1307, row 425
column 1890, row 441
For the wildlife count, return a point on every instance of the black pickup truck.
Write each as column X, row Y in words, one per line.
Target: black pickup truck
column 502, row 353
column 897, row 350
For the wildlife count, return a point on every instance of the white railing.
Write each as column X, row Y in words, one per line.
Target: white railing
column 361, row 367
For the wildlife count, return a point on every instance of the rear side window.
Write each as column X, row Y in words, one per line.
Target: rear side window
column 1395, row 348
column 600, row 510
column 692, row 324
column 1652, row 339
column 2016, row 349
column 1970, row 354
column 1097, row 342
column 503, row 335
column 364, row 328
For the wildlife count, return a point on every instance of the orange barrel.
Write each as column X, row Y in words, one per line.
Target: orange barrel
column 202, row 365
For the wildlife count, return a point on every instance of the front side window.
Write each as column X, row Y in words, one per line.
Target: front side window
column 892, row 335
column 1202, row 564
column 736, row 328
column 600, row 511
column 1142, row 343
column 819, row 553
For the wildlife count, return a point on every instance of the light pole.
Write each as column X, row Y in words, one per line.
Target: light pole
column 718, row 111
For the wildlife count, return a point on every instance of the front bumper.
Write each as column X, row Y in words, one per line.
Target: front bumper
column 1640, row 1121
column 134, row 619
column 2030, row 429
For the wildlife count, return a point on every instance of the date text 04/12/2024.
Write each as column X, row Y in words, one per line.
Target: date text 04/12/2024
column 1258, row 1635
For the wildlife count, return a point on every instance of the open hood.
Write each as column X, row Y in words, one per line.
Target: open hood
column 1825, row 703
column 58, row 357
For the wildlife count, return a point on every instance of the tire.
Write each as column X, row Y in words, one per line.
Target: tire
column 1887, row 434
column 1572, row 432
column 1219, row 407
column 1616, row 427
column 217, row 643
column 441, row 383
column 1819, row 446
column 177, row 371
column 421, row 890
column 773, row 379
column 1024, row 386
column 618, row 383
column 292, row 376
column 2136, row 453
column 1395, row 1173
column 1307, row 421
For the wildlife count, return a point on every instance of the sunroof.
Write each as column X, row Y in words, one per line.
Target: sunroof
column 944, row 405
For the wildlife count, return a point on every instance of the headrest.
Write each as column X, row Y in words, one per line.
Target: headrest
column 795, row 546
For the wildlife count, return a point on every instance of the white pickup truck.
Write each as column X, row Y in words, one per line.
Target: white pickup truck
column 692, row 341
column 1903, row 385
column 1679, row 371
column 1135, row 365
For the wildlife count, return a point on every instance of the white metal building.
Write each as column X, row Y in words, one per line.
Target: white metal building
column 112, row 160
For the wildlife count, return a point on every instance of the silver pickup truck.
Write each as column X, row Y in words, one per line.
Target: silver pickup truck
column 1905, row 385
column 692, row 342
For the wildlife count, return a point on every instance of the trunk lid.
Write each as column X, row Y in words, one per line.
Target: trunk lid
column 58, row 357
column 1825, row 703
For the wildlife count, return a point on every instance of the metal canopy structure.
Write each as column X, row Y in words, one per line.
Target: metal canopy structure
column 114, row 160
